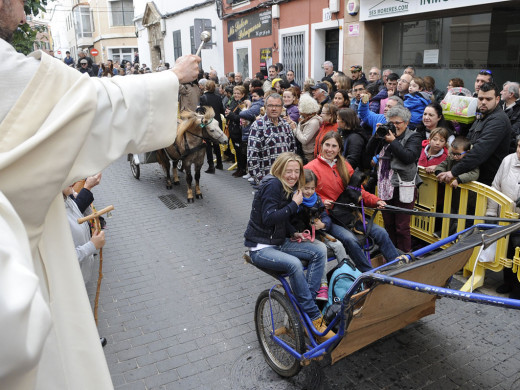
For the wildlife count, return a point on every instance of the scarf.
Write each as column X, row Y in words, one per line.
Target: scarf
column 310, row 201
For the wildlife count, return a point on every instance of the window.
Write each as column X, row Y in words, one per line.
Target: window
column 83, row 22
column 122, row 12
column 177, row 46
column 192, row 40
column 122, row 54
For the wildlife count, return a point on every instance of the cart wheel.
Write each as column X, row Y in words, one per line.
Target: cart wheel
column 287, row 327
column 136, row 170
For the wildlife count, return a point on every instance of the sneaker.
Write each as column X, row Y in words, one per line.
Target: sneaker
column 247, row 176
column 251, row 180
column 323, row 294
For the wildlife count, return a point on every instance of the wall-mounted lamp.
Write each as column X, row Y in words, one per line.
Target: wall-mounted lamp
column 275, row 11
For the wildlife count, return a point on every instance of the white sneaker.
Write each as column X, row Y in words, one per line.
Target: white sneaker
column 246, row 176
column 251, row 180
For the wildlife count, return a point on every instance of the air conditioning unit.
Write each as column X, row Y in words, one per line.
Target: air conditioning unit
column 334, row 6
column 275, row 10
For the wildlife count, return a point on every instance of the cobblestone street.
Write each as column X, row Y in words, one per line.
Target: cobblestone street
column 177, row 305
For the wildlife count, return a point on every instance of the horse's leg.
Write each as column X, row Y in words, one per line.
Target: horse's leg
column 164, row 161
column 175, row 174
column 189, row 180
column 198, row 167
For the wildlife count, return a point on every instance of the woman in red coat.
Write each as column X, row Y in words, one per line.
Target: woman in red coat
column 333, row 174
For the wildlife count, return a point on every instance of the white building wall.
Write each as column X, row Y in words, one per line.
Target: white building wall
column 211, row 58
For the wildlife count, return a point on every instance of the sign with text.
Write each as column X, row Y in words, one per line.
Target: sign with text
column 250, row 26
column 379, row 9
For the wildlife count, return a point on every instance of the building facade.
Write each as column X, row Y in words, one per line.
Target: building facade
column 169, row 29
column 301, row 34
column 104, row 25
column 441, row 38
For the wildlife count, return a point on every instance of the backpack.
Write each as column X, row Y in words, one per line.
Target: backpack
column 343, row 276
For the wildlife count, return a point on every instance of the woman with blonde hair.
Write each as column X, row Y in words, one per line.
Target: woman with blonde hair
column 343, row 82
column 269, row 232
column 309, row 125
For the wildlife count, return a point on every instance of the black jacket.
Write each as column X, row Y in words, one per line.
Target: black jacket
column 235, row 131
column 354, row 147
column 271, row 212
column 514, row 117
column 215, row 102
column 490, row 137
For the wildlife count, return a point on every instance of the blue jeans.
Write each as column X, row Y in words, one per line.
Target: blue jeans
column 286, row 258
column 349, row 241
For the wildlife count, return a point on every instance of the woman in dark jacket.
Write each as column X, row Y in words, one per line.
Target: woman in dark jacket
column 350, row 130
column 238, row 103
column 397, row 155
column 269, row 232
column 211, row 99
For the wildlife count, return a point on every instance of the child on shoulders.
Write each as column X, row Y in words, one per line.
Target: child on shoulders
column 416, row 101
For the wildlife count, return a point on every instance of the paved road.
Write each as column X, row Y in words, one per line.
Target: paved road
column 177, row 306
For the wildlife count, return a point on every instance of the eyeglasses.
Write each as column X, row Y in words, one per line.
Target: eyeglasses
column 274, row 106
column 457, row 154
column 485, row 71
column 373, row 73
column 396, row 123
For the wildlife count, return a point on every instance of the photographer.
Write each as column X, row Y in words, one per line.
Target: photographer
column 396, row 150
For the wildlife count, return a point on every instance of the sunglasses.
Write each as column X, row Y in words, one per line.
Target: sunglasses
column 485, row 71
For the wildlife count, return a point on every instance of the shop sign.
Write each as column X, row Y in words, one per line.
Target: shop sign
column 379, row 9
column 250, row 26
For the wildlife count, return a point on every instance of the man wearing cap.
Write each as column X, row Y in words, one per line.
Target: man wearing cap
column 84, row 68
column 357, row 74
column 320, row 93
column 56, row 127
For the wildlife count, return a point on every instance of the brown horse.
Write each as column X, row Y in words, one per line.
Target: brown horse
column 190, row 148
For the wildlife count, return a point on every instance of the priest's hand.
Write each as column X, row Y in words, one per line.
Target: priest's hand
column 187, row 68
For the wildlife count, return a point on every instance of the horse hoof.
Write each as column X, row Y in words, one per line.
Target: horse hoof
column 191, row 200
column 176, row 183
column 198, row 196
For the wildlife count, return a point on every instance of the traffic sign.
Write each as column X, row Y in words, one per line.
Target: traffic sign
column 59, row 51
column 94, row 52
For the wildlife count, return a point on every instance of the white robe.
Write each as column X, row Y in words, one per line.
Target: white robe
column 66, row 126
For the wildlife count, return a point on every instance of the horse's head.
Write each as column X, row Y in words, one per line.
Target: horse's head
column 210, row 127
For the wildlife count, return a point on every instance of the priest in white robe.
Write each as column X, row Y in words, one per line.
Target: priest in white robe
column 56, row 127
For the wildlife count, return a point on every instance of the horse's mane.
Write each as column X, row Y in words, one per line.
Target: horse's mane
column 190, row 119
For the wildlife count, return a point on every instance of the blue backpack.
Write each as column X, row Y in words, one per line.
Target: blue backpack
column 343, row 276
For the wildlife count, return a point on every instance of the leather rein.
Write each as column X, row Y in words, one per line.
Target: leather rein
column 187, row 149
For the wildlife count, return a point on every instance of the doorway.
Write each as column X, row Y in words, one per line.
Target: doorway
column 332, row 46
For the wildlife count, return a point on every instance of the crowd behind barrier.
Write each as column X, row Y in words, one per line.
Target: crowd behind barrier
column 483, row 121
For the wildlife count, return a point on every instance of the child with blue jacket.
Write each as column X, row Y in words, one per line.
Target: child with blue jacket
column 312, row 212
column 416, row 101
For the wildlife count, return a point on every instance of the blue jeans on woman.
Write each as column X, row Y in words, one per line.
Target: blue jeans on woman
column 350, row 242
column 286, row 258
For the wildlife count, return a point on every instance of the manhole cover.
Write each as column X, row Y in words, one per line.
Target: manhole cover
column 172, row 202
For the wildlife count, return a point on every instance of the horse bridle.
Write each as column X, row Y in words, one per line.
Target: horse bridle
column 187, row 150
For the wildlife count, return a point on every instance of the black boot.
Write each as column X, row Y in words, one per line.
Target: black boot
column 211, row 169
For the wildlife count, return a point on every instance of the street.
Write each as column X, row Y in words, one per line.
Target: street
column 177, row 305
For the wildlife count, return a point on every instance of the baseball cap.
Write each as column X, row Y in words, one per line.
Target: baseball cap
column 355, row 68
column 83, row 61
column 320, row 86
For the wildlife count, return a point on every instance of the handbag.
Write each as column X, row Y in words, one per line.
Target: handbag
column 343, row 276
column 406, row 190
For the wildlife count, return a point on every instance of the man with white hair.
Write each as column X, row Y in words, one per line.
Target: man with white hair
column 374, row 76
column 328, row 67
column 510, row 96
column 386, row 72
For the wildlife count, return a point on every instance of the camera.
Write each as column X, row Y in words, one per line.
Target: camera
column 385, row 129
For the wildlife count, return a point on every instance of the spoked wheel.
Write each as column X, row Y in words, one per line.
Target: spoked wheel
column 287, row 327
column 136, row 170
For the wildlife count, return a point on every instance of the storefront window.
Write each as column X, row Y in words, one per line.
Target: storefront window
column 455, row 46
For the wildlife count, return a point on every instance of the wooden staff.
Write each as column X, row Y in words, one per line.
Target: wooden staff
column 97, row 226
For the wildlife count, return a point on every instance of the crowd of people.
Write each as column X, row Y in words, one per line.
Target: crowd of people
column 309, row 144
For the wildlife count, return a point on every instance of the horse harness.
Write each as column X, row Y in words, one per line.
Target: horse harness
column 187, row 149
